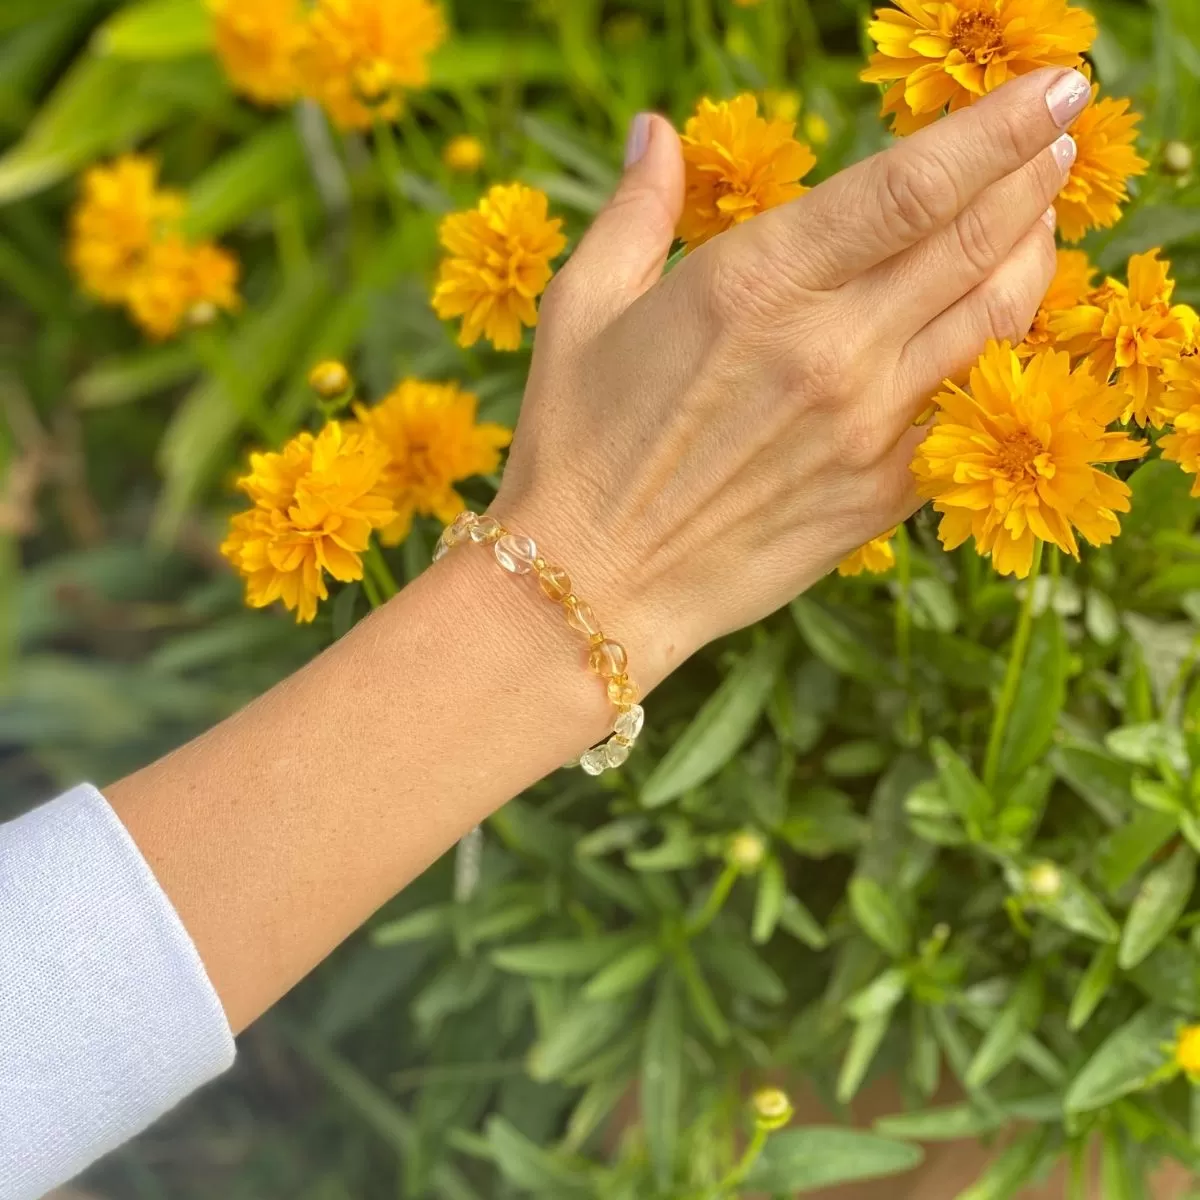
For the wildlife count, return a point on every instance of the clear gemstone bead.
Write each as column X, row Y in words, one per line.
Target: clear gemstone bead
column 629, row 723
column 515, row 553
column 580, row 616
column 616, row 751
column 485, row 529
column 608, row 659
column 594, row 761
column 460, row 529
column 554, row 582
column 441, row 549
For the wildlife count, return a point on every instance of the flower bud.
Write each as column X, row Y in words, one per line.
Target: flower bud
column 1177, row 158
column 746, row 851
column 374, row 83
column 202, row 314
column 1043, row 880
column 463, row 153
column 1187, row 1051
column 330, row 379
column 772, row 1109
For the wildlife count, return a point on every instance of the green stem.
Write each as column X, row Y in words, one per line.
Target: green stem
column 1077, row 1185
column 1012, row 677
column 371, row 591
column 728, row 1185
column 903, row 615
column 212, row 350
column 716, row 900
column 376, row 566
column 388, row 154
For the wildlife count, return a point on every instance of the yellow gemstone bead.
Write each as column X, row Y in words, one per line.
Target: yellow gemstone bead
column 554, row 582
column 608, row 659
column 622, row 691
column 581, row 617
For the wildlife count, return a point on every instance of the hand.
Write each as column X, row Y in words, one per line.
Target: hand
column 696, row 449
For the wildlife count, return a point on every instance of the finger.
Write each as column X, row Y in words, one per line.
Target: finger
column 941, row 270
column 899, row 485
column 1002, row 307
column 887, row 203
column 623, row 253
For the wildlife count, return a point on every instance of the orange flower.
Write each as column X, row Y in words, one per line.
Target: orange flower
column 179, row 283
column 120, row 214
column 433, row 441
column 1132, row 330
column 257, row 43
column 738, row 164
column 1011, row 460
column 361, row 55
column 1181, row 410
column 1071, row 286
column 876, row 556
column 498, row 264
column 940, row 54
column 1097, row 186
column 315, row 505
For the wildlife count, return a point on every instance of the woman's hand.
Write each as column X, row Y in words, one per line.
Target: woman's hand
column 698, row 448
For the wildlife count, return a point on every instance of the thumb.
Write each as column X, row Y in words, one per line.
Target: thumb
column 623, row 253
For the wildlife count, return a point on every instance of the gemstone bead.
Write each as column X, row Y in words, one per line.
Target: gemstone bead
column 594, row 761
column 441, row 549
column 616, row 751
column 608, row 659
column 460, row 529
column 629, row 723
column 515, row 553
column 485, row 529
column 581, row 617
column 554, row 582
column 622, row 692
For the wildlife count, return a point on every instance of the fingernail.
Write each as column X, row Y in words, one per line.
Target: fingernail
column 1051, row 219
column 638, row 139
column 1064, row 151
column 1068, row 97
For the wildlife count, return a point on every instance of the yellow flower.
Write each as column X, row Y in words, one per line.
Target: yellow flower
column 738, row 164
column 463, row 153
column 120, row 214
column 940, row 54
column 361, row 55
column 1180, row 408
column 498, row 264
column 257, row 44
column 876, row 556
column 1132, row 330
column 1187, row 1052
column 1011, row 461
column 180, row 283
column 1072, row 285
column 433, row 441
column 315, row 504
column 1097, row 186
column 782, row 106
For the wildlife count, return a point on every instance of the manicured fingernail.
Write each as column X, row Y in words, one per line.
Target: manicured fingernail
column 1051, row 219
column 1064, row 151
column 638, row 139
column 1068, row 97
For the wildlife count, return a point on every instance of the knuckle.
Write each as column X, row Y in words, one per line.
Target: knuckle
column 740, row 290
column 860, row 440
column 644, row 207
column 819, row 372
column 1008, row 310
column 977, row 243
column 918, row 194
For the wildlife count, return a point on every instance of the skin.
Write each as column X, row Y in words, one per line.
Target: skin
column 696, row 449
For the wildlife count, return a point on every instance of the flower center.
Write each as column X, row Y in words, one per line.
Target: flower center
column 1017, row 452
column 978, row 35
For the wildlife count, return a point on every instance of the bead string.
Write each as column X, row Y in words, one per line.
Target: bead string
column 518, row 555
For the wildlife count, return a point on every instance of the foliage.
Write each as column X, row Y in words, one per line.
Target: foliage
column 828, row 859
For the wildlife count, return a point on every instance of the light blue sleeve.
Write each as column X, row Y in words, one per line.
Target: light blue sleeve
column 107, row 1018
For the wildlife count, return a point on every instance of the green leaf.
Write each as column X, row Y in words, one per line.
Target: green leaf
column 1125, row 851
column 1002, row 1042
column 949, row 1124
column 1093, row 987
column 1073, row 906
column 704, row 1003
column 961, row 787
column 796, row 919
column 768, row 901
column 157, row 29
column 527, row 1165
column 835, row 643
column 880, row 996
column 415, row 927
column 719, row 729
column 1099, row 778
column 1041, row 692
column 1171, row 976
column 1005, row 1177
column 1124, row 1062
column 1160, row 902
column 879, row 916
column 472, row 61
column 586, row 1027
column 865, row 1041
column 741, row 967
column 625, row 973
column 556, row 959
column 662, row 1080
column 803, row 1160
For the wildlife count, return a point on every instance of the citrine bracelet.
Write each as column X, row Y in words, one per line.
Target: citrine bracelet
column 518, row 555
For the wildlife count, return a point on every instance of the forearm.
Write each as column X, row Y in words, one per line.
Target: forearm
column 281, row 830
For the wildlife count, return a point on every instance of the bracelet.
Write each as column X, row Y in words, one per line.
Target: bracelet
column 518, row 555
